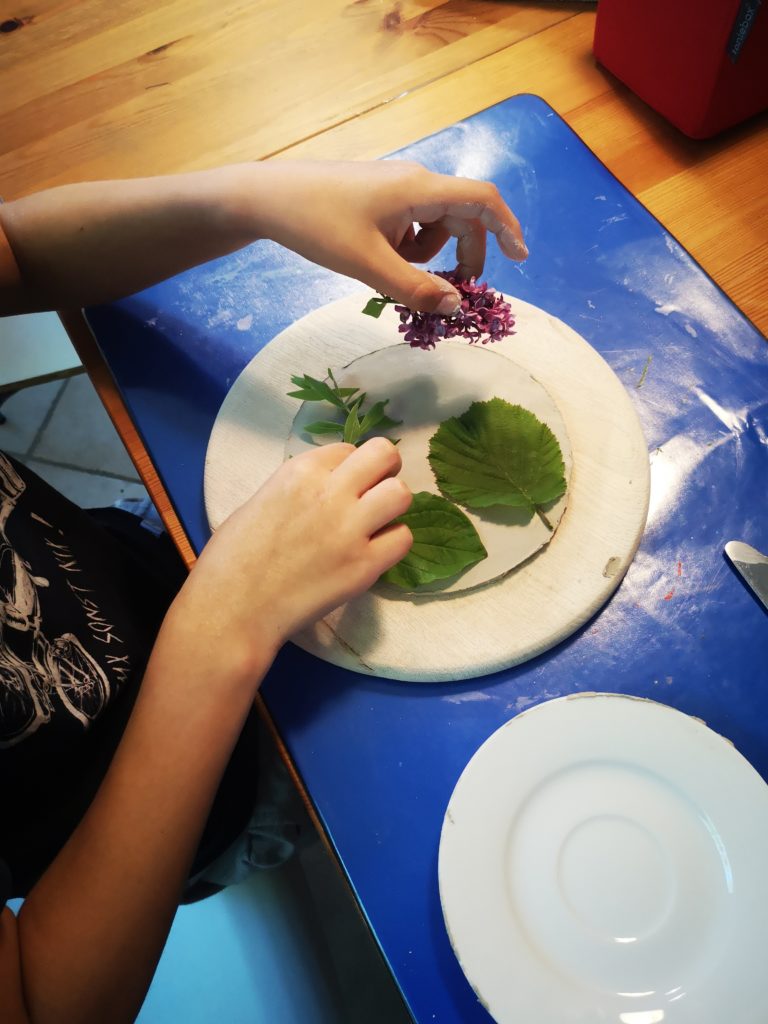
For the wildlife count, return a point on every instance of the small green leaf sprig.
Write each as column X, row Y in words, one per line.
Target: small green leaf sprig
column 348, row 401
column 375, row 307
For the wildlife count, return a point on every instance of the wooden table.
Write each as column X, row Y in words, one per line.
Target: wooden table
column 89, row 90
column 92, row 91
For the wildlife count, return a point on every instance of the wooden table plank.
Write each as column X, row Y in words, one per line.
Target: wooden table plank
column 185, row 84
column 97, row 107
column 555, row 64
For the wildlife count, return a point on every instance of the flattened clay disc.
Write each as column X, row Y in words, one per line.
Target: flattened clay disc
column 426, row 388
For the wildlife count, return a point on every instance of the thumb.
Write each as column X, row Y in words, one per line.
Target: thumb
column 416, row 289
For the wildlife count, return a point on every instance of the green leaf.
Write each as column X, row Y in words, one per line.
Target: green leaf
column 308, row 396
column 376, row 417
column 374, row 306
column 324, row 427
column 444, row 543
column 312, row 390
column 348, row 401
column 497, row 454
column 341, row 392
column 352, row 430
column 386, row 423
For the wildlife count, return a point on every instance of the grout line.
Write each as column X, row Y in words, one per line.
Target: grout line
column 46, row 420
column 43, row 378
column 81, row 469
column 30, row 453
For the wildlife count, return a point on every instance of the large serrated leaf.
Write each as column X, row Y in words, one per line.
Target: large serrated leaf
column 444, row 543
column 497, row 453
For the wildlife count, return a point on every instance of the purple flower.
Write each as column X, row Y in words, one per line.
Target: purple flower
column 484, row 316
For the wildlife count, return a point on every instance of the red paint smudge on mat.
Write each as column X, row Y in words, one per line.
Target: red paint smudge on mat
column 679, row 568
column 668, row 597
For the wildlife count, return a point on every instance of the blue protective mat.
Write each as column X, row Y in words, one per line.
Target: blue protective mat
column 380, row 758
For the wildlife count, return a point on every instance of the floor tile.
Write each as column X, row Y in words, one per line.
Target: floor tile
column 284, row 947
column 81, row 434
column 89, row 490
column 250, row 955
column 34, row 346
column 25, row 412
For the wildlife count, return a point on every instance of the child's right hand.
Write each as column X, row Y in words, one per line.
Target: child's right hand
column 315, row 535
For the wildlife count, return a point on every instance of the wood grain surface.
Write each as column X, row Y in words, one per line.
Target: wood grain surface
column 89, row 89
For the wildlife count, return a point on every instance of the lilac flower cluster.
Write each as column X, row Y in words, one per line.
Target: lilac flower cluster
column 484, row 316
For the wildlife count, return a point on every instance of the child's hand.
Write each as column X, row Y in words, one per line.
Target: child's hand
column 314, row 536
column 358, row 219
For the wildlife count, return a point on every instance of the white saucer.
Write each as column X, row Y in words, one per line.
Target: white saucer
column 605, row 859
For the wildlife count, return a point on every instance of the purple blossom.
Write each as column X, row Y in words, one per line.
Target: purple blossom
column 484, row 316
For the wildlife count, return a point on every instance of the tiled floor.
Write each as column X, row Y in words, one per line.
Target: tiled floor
column 284, row 947
column 61, row 431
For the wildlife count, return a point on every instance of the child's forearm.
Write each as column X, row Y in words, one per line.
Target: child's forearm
column 91, row 931
column 93, row 242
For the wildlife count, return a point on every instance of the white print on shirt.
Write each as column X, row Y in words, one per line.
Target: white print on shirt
column 36, row 672
column 102, row 630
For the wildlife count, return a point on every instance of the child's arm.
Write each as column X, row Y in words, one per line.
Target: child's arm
column 93, row 242
column 89, row 934
column 88, row 937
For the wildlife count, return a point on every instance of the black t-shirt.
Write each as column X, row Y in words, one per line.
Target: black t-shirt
column 82, row 596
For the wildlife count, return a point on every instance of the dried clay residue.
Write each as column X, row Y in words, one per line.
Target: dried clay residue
column 611, row 567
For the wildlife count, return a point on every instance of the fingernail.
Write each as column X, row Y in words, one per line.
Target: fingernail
column 512, row 245
column 449, row 304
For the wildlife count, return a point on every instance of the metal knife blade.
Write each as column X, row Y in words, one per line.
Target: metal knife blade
column 752, row 565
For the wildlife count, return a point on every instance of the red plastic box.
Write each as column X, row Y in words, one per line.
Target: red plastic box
column 702, row 64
